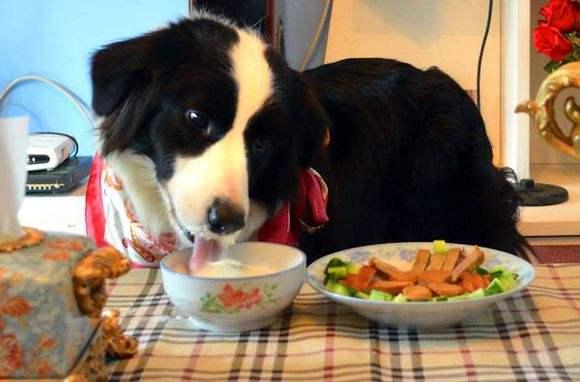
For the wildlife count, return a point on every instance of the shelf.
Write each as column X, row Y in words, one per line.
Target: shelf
column 557, row 220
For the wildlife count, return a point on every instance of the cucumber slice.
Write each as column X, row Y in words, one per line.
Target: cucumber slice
column 341, row 289
column 337, row 272
column 464, row 296
column 377, row 295
column 481, row 271
column 498, row 271
column 400, row 298
column 494, row 287
column 363, row 295
column 330, row 284
column 478, row 293
column 507, row 282
column 439, row 246
column 334, row 262
column 353, row 268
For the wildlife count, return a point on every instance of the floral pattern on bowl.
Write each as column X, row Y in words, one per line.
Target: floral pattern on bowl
column 229, row 304
column 231, row 300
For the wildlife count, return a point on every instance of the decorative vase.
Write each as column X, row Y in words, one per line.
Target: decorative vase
column 542, row 109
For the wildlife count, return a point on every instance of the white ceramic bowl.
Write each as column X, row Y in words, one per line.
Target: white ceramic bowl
column 237, row 304
column 420, row 315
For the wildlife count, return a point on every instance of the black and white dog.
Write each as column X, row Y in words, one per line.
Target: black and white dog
column 209, row 128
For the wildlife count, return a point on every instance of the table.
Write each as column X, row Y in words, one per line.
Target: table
column 534, row 336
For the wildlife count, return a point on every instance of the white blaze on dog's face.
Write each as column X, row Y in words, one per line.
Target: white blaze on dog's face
column 220, row 173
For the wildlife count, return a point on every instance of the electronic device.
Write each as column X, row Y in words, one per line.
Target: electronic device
column 47, row 151
column 61, row 179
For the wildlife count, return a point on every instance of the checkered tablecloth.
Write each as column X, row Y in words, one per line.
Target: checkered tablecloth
column 534, row 336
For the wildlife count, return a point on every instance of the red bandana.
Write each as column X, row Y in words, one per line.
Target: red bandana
column 308, row 213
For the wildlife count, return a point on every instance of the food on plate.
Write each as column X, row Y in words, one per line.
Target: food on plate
column 472, row 261
column 417, row 293
column 447, row 274
column 421, row 261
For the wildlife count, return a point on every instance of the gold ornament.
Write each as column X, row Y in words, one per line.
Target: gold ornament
column 542, row 109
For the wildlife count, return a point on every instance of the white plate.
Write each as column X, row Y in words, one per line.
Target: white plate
column 421, row 315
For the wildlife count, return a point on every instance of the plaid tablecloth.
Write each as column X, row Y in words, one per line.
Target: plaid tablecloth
column 535, row 336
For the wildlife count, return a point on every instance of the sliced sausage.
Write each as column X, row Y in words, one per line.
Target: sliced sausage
column 436, row 261
column 472, row 261
column 445, row 289
column 421, row 261
column 417, row 293
column 394, row 273
column 392, row 287
column 434, row 277
column 451, row 259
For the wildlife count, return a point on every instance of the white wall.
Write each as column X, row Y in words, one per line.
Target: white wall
column 300, row 19
column 446, row 33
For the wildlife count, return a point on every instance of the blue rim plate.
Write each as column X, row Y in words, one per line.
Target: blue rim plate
column 409, row 314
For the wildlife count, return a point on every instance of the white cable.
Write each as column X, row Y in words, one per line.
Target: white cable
column 316, row 38
column 79, row 104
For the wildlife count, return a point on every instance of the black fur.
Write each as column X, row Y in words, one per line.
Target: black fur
column 408, row 160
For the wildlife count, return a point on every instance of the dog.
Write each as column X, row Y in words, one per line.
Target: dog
column 210, row 130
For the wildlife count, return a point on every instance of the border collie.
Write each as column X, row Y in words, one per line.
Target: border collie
column 209, row 129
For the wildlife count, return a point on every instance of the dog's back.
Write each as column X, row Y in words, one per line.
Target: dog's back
column 409, row 160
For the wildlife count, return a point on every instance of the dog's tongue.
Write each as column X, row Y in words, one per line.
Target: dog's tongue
column 204, row 251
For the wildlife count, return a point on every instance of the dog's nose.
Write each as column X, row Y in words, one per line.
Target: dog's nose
column 224, row 217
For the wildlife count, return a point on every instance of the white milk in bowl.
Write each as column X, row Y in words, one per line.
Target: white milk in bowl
column 231, row 268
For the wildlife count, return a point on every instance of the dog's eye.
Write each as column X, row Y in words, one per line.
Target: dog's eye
column 262, row 144
column 199, row 119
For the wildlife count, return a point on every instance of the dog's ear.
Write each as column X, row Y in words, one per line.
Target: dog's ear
column 315, row 125
column 117, row 70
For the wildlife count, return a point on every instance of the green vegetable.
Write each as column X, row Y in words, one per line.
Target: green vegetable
column 478, row 293
column 508, row 282
column 337, row 272
column 439, row 246
column 505, row 277
column 341, row 289
column 363, row 295
column 481, row 271
column 494, row 287
column 377, row 295
column 353, row 268
column 400, row 298
column 438, row 298
column 459, row 298
column 330, row 284
column 499, row 271
column 335, row 262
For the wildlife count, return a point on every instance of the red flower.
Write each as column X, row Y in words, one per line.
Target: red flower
column 56, row 255
column 44, row 368
column 549, row 41
column 254, row 297
column 562, row 15
column 232, row 298
column 15, row 307
column 10, row 355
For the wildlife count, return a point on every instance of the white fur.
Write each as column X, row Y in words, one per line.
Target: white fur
column 256, row 217
column 137, row 172
column 220, row 172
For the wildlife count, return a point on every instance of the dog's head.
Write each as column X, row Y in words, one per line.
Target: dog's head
column 209, row 118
